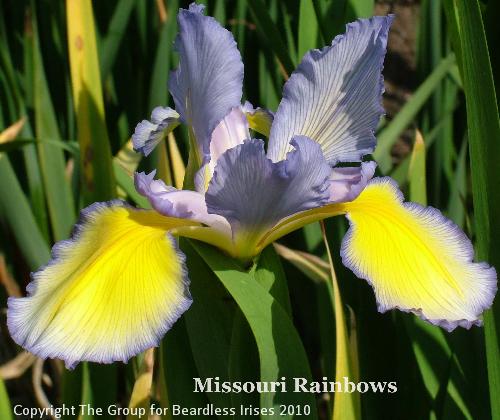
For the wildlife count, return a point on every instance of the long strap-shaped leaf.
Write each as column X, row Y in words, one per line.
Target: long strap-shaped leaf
column 15, row 209
column 484, row 145
column 271, row 34
column 5, row 407
column 432, row 352
column 97, row 171
column 389, row 135
column 281, row 351
column 346, row 405
column 51, row 157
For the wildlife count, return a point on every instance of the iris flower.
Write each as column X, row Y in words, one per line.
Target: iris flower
column 117, row 286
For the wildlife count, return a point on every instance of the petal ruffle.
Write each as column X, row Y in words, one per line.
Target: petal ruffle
column 253, row 193
column 148, row 134
column 348, row 182
column 208, row 82
column 231, row 131
column 110, row 292
column 334, row 96
column 415, row 259
column 183, row 204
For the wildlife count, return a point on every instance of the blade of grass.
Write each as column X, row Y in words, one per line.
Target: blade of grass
column 484, row 133
column 95, row 162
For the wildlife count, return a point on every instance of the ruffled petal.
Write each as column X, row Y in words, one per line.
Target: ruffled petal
column 347, row 183
column 148, row 134
column 416, row 260
column 172, row 202
column 231, row 131
column 208, row 82
column 253, row 193
column 334, row 96
column 110, row 292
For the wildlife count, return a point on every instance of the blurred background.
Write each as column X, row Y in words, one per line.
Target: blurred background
column 68, row 109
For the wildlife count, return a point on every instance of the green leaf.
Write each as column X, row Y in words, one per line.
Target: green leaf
column 208, row 320
column 387, row 137
column 158, row 93
column 268, row 271
column 346, row 406
column 432, row 352
column 125, row 181
column 51, row 158
column 308, row 28
column 243, row 360
column 360, row 9
column 491, row 17
column 179, row 369
column 332, row 16
column 95, row 162
column 15, row 209
column 456, row 205
column 280, row 349
column 312, row 266
column 114, row 36
column 5, row 407
column 140, row 397
column 71, row 389
column 271, row 34
column 416, row 175
column 484, row 146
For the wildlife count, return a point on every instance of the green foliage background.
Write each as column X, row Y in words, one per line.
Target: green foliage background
column 284, row 317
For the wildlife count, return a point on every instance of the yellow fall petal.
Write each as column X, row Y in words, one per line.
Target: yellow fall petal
column 415, row 259
column 110, row 292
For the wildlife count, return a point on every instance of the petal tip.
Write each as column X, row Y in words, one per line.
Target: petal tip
column 424, row 262
column 39, row 322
